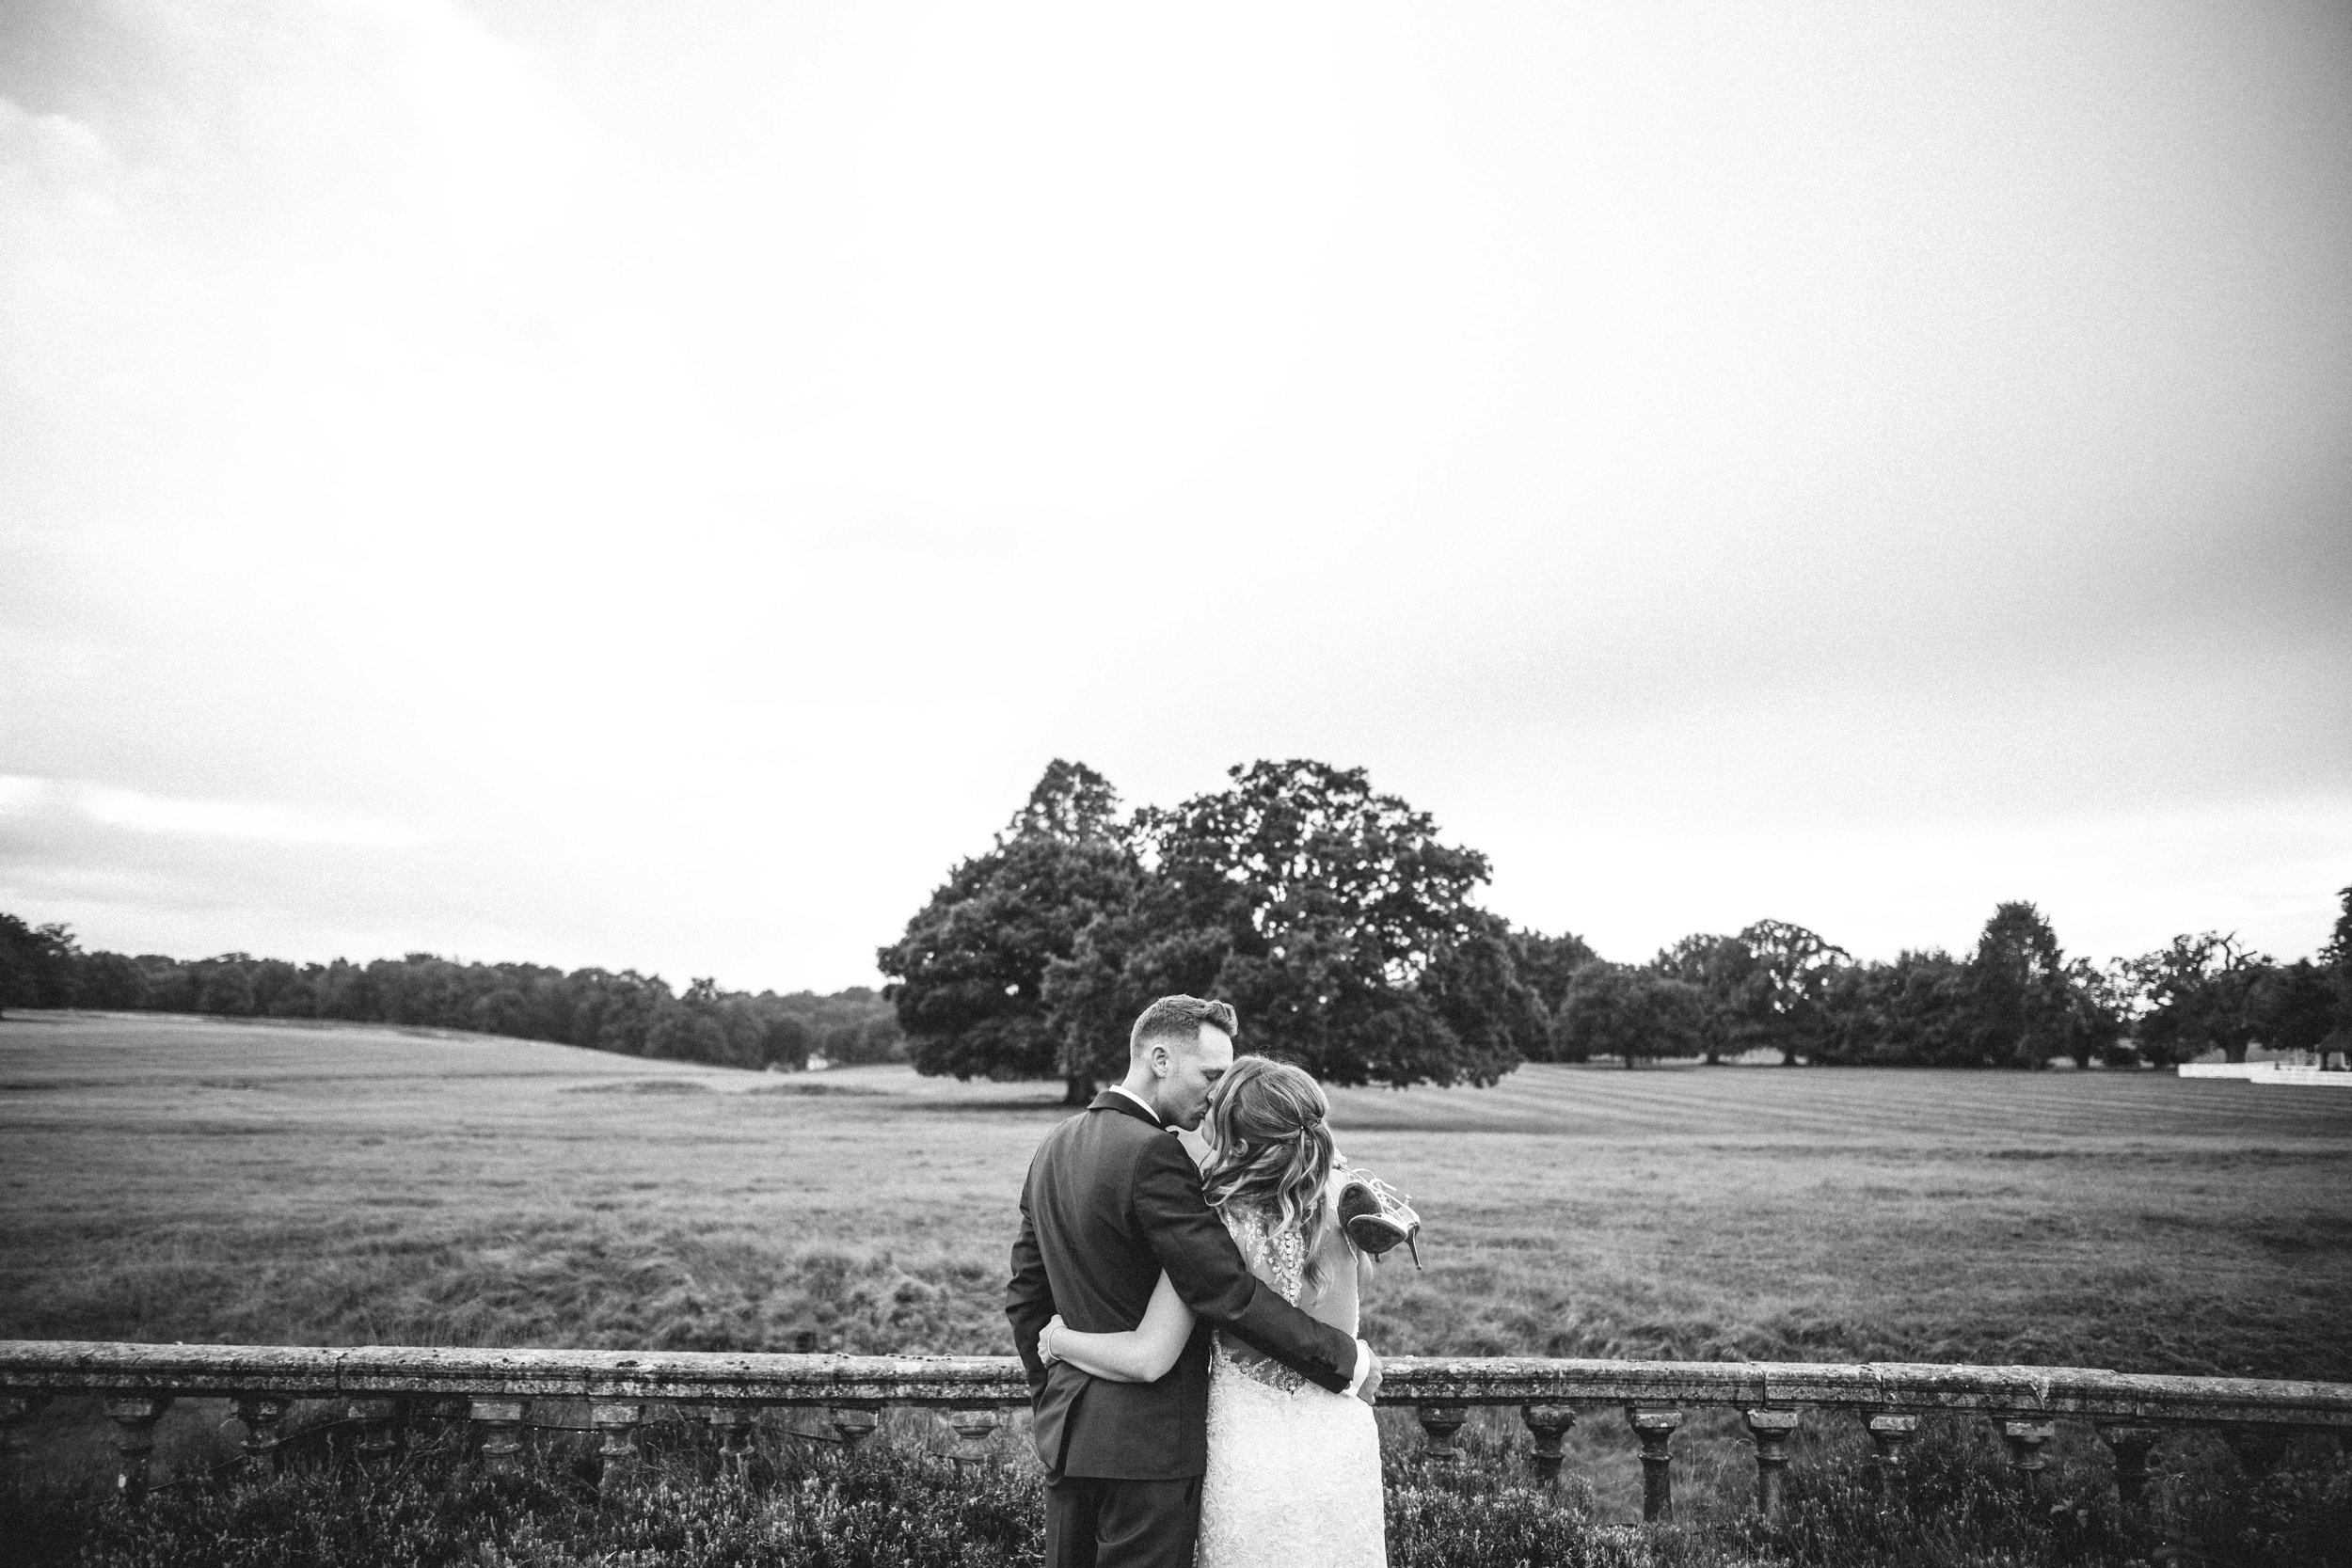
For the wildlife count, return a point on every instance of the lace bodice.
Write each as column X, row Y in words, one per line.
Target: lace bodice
column 1276, row 1252
column 1280, row 1250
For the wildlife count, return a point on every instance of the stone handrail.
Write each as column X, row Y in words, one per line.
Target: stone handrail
column 2130, row 1410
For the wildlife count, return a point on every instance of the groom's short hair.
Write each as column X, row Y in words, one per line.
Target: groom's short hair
column 1180, row 1018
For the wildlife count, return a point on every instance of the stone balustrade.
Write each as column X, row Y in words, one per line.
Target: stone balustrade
column 498, row 1389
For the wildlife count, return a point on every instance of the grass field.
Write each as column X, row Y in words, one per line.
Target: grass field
column 181, row 1178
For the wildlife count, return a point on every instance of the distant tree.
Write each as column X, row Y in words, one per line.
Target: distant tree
column 851, row 1026
column 1473, row 987
column 426, row 989
column 18, row 988
column 1917, row 1011
column 171, row 985
column 2335, row 962
column 279, row 991
column 614, row 1011
column 784, row 1041
column 112, row 982
column 1547, row 964
column 968, row 975
column 40, row 965
column 2020, row 992
column 1635, row 1014
column 1734, row 989
column 592, row 1007
column 846, row 1028
column 2294, row 1006
column 503, row 1012
column 227, row 986
column 1783, row 1006
column 677, row 1033
column 2198, row 995
column 881, row 1039
column 2095, row 1012
column 1857, row 1007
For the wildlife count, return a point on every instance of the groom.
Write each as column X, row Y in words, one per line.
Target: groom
column 1112, row 1199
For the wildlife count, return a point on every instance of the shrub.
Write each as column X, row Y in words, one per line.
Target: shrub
column 809, row 1506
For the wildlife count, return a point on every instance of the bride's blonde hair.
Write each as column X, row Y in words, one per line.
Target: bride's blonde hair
column 1274, row 1151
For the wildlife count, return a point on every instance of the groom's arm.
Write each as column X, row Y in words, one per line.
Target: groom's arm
column 1029, row 1299
column 1206, row 1268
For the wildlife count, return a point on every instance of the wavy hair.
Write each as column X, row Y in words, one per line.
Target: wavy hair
column 1274, row 1151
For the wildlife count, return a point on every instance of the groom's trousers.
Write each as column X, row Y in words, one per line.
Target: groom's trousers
column 1094, row 1522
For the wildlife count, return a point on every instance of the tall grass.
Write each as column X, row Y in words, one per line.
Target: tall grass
column 1952, row 1505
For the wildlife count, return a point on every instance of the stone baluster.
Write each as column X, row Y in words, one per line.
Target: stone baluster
column 2130, row 1445
column 379, row 1428
column 975, row 1427
column 853, row 1423
column 137, row 1415
column 618, row 1420
column 260, row 1415
column 1548, row 1425
column 1439, row 1423
column 501, row 1422
column 736, row 1425
column 1772, row 1430
column 1888, row 1433
column 2025, row 1436
column 1655, row 1427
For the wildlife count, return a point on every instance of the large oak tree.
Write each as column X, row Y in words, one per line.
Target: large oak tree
column 968, row 975
column 1349, row 940
column 1332, row 917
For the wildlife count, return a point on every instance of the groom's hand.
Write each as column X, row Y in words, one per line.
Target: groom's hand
column 1369, row 1388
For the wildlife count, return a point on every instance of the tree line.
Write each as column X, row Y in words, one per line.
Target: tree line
column 2015, row 1001
column 1345, row 932
column 1341, row 925
column 637, row 1014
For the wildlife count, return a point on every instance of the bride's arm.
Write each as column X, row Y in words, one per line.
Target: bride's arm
column 1140, row 1354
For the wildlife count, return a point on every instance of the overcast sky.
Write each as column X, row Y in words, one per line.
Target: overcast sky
column 616, row 482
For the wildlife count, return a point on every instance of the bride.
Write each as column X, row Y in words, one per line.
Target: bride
column 1294, row 1471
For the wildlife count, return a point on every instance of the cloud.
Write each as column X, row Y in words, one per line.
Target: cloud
column 229, row 819
column 704, row 463
column 22, row 797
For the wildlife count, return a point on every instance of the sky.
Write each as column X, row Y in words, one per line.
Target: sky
column 609, row 481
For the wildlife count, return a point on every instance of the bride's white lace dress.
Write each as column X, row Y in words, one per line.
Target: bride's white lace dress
column 1294, row 1476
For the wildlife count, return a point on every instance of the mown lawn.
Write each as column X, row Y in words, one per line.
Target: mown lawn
column 172, row 1179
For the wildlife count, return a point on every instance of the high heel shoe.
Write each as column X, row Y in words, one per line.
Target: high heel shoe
column 1376, row 1215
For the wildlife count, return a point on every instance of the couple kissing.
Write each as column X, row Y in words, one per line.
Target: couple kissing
column 1190, row 1332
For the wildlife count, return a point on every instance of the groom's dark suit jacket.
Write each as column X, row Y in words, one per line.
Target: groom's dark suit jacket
column 1111, row 1200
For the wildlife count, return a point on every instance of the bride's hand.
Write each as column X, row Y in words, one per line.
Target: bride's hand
column 1044, row 1339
